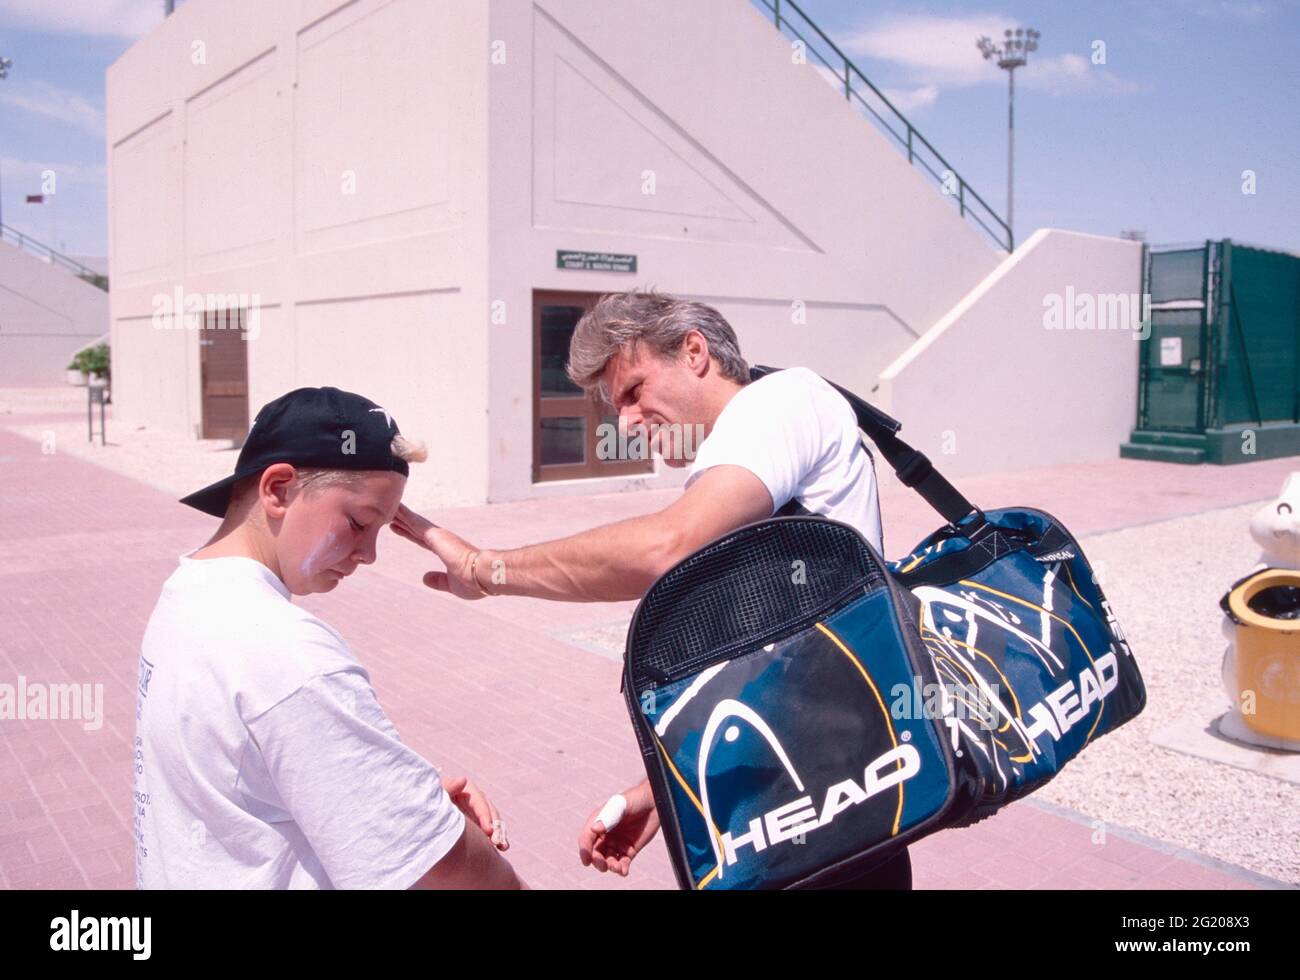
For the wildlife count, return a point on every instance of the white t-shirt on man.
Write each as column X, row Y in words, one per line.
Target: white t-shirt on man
column 799, row 436
column 262, row 758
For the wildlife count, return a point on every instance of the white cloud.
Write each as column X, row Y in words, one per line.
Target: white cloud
column 935, row 50
column 909, row 99
column 904, row 99
column 940, row 52
column 1066, row 74
column 110, row 18
column 52, row 102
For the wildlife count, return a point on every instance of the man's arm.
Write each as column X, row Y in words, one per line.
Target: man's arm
column 605, row 564
column 472, row 862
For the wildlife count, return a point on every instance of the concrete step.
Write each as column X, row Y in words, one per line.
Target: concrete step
column 1154, row 437
column 1161, row 453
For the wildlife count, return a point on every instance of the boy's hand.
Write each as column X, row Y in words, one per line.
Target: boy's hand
column 477, row 808
column 456, row 553
column 613, row 848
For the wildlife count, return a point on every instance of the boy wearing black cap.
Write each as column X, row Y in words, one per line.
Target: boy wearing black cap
column 262, row 758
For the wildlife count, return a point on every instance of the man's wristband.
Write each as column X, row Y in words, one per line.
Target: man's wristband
column 473, row 573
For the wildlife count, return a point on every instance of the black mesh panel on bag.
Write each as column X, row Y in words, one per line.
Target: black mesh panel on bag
column 745, row 589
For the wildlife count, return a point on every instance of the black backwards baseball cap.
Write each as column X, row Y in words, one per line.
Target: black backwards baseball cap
column 310, row 427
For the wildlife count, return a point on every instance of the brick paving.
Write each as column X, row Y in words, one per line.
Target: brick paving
column 485, row 688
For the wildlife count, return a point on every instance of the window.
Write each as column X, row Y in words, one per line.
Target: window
column 571, row 431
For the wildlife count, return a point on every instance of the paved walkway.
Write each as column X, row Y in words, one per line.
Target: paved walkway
column 488, row 688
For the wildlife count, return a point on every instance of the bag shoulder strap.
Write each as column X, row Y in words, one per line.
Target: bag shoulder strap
column 912, row 466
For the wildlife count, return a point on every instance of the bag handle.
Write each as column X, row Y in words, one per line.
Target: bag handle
column 912, row 466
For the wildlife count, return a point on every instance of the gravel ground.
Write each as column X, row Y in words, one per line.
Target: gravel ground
column 42, row 401
column 1164, row 582
column 174, row 463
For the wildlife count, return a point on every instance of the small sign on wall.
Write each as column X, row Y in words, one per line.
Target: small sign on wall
column 596, row 261
column 1171, row 351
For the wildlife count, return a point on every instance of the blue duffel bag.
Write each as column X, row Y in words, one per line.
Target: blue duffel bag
column 805, row 708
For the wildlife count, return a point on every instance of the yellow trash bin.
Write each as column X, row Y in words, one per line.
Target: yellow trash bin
column 1265, row 608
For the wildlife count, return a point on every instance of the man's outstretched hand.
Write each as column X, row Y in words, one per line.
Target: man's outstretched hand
column 613, row 848
column 456, row 553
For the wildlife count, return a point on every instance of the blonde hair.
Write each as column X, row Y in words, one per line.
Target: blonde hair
column 318, row 478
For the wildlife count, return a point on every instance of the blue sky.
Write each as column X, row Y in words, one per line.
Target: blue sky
column 1192, row 93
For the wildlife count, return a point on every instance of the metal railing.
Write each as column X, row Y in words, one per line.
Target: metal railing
column 857, row 87
column 44, row 252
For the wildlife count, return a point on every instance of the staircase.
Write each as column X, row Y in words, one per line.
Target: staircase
column 790, row 20
column 1165, row 447
column 28, row 244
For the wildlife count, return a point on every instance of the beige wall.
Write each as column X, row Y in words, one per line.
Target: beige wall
column 326, row 161
column 46, row 313
column 769, row 189
column 998, row 384
column 773, row 200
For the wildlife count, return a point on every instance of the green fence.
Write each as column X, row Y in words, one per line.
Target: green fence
column 1221, row 367
column 1260, row 337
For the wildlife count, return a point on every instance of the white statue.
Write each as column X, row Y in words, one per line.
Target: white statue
column 1276, row 529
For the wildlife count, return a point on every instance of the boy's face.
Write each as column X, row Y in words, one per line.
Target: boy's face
column 327, row 532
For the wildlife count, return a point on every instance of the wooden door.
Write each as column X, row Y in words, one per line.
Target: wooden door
column 223, row 369
column 567, row 424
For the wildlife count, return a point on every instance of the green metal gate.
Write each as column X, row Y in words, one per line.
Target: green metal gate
column 1172, row 386
column 1219, row 375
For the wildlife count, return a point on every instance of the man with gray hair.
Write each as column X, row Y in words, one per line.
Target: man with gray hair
column 787, row 443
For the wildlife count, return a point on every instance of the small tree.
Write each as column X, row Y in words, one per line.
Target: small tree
column 93, row 360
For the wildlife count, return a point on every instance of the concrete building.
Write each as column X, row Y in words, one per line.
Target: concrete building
column 416, row 199
column 47, row 313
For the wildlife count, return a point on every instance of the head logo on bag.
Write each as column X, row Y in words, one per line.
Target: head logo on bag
column 793, row 820
column 776, row 757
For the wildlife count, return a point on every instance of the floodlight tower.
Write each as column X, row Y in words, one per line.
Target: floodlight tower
column 1011, row 54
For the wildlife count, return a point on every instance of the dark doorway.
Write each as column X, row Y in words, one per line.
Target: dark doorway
column 568, row 425
column 223, row 369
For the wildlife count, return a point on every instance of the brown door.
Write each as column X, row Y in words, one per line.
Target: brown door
column 567, row 425
column 223, row 368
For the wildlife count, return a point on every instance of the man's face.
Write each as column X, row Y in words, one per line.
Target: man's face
column 327, row 532
column 654, row 392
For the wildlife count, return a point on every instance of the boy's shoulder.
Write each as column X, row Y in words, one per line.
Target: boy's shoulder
column 233, row 629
